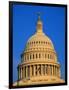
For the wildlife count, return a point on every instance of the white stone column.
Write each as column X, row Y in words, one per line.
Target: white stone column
column 48, row 69
column 41, row 69
column 52, row 70
column 26, row 71
column 34, row 69
column 55, row 70
column 30, row 71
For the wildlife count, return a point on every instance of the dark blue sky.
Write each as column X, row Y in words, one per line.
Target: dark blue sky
column 24, row 25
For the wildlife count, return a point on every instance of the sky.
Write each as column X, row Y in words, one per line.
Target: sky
column 24, row 26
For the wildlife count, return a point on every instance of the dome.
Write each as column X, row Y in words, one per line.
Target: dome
column 40, row 39
column 39, row 60
column 39, row 45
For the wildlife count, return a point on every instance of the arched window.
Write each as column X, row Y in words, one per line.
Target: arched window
column 34, row 42
column 25, row 57
column 39, row 42
column 30, row 56
column 36, row 56
column 44, row 42
column 39, row 55
column 33, row 56
column 48, row 56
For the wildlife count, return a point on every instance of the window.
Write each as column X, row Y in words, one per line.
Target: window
column 36, row 56
column 48, row 56
column 39, row 42
column 36, row 42
column 46, row 42
column 25, row 57
column 30, row 56
column 39, row 56
column 32, row 42
column 33, row 56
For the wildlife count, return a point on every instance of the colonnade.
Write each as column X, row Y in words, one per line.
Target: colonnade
column 43, row 55
column 25, row 72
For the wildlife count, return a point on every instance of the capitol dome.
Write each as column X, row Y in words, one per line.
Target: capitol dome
column 39, row 64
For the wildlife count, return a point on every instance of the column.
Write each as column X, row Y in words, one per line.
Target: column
column 46, row 69
column 58, row 72
column 41, row 69
column 21, row 72
column 52, row 70
column 26, row 71
column 38, row 69
column 30, row 71
column 55, row 70
column 34, row 70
